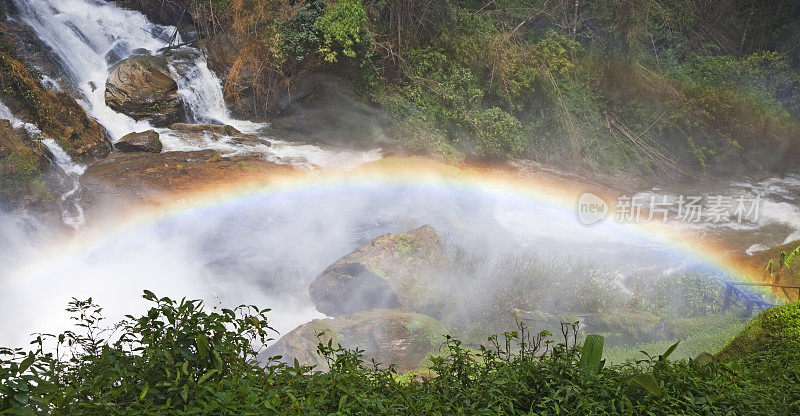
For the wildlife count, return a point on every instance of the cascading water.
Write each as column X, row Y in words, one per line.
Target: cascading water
column 71, row 209
column 83, row 33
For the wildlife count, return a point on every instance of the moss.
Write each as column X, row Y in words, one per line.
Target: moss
column 55, row 113
column 21, row 178
column 427, row 328
column 774, row 331
column 405, row 243
column 697, row 335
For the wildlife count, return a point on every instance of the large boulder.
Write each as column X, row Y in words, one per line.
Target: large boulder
column 141, row 87
column 387, row 336
column 391, row 271
column 216, row 129
column 146, row 141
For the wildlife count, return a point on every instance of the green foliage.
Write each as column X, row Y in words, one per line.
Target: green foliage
column 498, row 134
column 698, row 335
column 180, row 359
column 300, row 36
column 774, row 331
column 340, row 25
column 689, row 295
column 592, row 353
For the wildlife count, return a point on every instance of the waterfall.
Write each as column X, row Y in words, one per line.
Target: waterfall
column 71, row 209
column 82, row 33
column 201, row 92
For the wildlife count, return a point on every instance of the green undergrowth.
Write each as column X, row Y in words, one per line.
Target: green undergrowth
column 655, row 89
column 697, row 335
column 180, row 358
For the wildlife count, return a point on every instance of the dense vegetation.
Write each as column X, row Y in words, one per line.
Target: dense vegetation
column 613, row 85
column 180, row 359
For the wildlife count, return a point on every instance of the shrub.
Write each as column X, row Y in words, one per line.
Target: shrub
column 181, row 359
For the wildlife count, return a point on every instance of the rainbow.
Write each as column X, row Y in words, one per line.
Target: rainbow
column 541, row 187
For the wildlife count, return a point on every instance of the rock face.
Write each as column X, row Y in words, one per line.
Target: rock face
column 323, row 108
column 55, row 113
column 146, row 141
column 393, row 270
column 22, row 166
column 402, row 338
column 219, row 129
column 124, row 179
column 217, row 132
column 142, row 88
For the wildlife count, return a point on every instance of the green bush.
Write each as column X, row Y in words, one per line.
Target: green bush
column 341, row 27
column 180, row 359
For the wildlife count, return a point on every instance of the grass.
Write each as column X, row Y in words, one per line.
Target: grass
column 697, row 335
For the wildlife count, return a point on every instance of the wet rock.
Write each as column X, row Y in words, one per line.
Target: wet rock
column 22, row 166
column 219, row 129
column 218, row 132
column 323, row 108
column 146, row 141
column 124, row 179
column 387, row 336
column 393, row 270
column 25, row 43
column 56, row 113
column 141, row 87
column 119, row 50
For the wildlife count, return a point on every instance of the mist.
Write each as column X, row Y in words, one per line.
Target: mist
column 266, row 248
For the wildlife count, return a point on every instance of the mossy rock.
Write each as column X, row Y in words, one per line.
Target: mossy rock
column 22, row 166
column 57, row 114
column 387, row 336
column 393, row 270
column 775, row 332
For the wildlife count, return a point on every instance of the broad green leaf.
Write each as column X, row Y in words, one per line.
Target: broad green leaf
column 26, row 363
column 592, row 353
column 202, row 345
column 206, row 376
column 648, row 382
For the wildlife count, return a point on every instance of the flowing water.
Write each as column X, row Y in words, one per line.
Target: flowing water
column 82, row 34
column 69, row 201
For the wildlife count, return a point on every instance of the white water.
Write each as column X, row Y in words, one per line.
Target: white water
column 83, row 32
column 778, row 215
column 71, row 209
